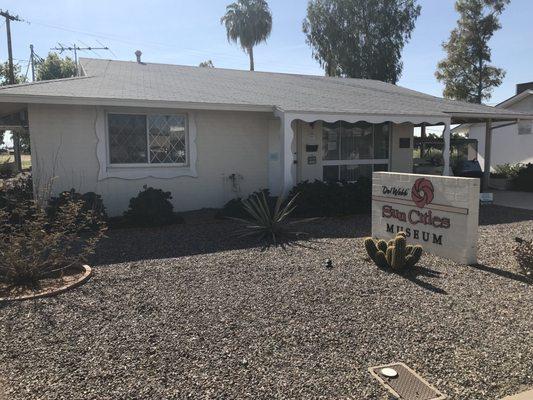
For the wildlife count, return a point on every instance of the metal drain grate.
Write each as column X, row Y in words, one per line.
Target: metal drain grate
column 407, row 385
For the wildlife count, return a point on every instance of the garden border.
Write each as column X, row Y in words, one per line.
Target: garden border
column 87, row 273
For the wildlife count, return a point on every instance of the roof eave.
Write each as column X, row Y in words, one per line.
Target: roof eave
column 111, row 102
column 496, row 116
column 515, row 99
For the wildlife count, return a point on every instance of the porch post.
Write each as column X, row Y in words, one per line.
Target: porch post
column 287, row 157
column 446, row 152
column 488, row 146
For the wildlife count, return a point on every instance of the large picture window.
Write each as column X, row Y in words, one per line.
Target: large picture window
column 147, row 139
column 351, row 151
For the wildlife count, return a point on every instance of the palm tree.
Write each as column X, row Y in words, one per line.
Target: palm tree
column 248, row 22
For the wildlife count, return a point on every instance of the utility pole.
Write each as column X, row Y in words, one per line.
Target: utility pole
column 75, row 48
column 15, row 134
column 32, row 60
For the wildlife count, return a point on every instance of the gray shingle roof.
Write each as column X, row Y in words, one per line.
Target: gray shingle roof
column 107, row 80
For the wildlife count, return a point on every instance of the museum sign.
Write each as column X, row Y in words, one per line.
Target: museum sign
column 439, row 212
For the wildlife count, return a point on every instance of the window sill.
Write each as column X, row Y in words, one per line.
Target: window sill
column 147, row 171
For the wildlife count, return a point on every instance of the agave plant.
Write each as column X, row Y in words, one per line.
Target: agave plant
column 270, row 226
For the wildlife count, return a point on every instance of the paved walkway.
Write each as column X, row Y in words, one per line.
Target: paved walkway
column 507, row 198
column 522, row 396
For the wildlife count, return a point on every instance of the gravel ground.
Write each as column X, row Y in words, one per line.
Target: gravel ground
column 190, row 312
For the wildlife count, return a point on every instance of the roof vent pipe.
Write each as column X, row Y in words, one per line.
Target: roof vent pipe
column 138, row 54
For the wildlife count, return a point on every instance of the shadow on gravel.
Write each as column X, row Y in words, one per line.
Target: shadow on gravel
column 494, row 215
column 414, row 273
column 501, row 272
column 127, row 245
column 207, row 235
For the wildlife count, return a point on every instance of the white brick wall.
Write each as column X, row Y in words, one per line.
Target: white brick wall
column 454, row 199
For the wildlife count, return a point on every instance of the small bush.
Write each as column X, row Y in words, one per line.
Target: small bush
column 328, row 199
column 90, row 202
column 507, row 171
column 15, row 190
column 151, row 208
column 6, row 168
column 35, row 246
column 523, row 180
column 234, row 208
column 524, row 256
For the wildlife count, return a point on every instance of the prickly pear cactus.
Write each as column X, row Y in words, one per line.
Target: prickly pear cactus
column 395, row 254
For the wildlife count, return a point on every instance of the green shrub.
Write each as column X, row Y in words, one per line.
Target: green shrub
column 89, row 200
column 395, row 254
column 234, row 208
column 523, row 180
column 35, row 246
column 327, row 199
column 151, row 207
column 507, row 171
column 269, row 225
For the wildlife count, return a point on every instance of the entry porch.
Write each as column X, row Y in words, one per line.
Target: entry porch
column 344, row 147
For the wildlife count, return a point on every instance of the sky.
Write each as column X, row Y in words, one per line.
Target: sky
column 189, row 32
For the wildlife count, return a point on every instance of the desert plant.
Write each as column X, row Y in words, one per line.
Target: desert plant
column 35, row 246
column 234, row 208
column 395, row 254
column 269, row 225
column 523, row 253
column 151, row 207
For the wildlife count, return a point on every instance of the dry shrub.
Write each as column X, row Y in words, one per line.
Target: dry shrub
column 34, row 245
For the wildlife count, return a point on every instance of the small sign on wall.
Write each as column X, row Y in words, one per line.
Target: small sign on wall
column 438, row 212
column 311, row 160
column 405, row 143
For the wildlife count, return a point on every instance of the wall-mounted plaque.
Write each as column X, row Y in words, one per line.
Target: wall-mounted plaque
column 405, row 143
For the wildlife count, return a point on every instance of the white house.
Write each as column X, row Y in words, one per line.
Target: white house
column 512, row 143
column 208, row 135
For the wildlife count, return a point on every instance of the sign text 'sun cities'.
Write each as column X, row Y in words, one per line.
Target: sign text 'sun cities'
column 441, row 213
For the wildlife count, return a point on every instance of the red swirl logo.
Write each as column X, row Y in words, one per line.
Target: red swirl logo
column 422, row 192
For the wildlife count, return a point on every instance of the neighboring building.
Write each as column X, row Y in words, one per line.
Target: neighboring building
column 208, row 135
column 511, row 144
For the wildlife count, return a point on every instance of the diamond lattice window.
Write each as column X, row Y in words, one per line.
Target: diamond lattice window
column 147, row 139
column 167, row 139
column 127, row 139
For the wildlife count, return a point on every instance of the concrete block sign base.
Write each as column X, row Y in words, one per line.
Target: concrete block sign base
column 441, row 213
